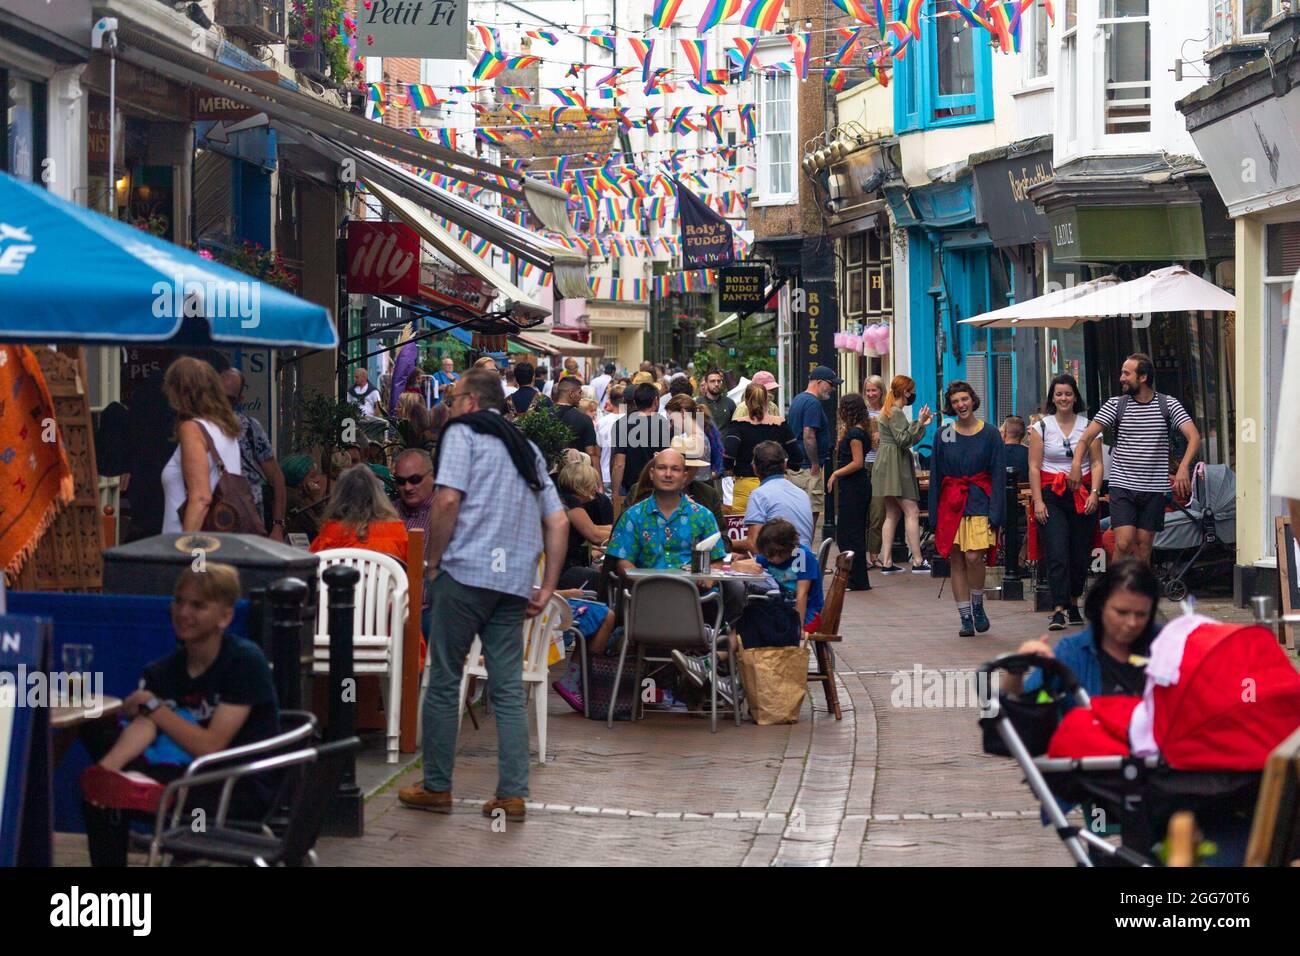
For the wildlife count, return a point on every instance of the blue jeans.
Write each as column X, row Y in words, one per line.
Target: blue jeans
column 461, row 612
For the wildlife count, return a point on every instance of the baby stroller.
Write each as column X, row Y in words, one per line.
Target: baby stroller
column 1206, row 527
column 1189, row 743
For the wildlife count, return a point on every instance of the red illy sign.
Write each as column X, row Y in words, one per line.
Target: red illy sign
column 383, row 257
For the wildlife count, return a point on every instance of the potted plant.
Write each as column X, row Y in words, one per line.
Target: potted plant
column 545, row 430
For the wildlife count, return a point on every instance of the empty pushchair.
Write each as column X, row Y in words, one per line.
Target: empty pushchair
column 1218, row 699
column 1200, row 536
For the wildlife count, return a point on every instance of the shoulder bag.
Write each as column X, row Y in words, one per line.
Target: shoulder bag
column 232, row 510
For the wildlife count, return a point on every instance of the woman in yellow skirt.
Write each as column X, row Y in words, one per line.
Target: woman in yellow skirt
column 967, row 500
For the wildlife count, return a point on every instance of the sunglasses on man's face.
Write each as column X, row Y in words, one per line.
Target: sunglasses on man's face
column 410, row 480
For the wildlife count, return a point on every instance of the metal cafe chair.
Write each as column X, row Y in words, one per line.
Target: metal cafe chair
column 666, row 613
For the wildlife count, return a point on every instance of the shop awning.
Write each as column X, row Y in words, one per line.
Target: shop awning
column 70, row 274
column 558, row 345
column 513, row 299
column 1172, row 289
column 300, row 110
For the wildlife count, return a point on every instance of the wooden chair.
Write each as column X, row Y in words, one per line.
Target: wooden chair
column 828, row 633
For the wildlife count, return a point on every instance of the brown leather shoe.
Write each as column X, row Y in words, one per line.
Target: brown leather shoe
column 513, row 806
column 417, row 797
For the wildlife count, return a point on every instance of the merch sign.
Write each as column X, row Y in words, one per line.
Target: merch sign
column 706, row 236
column 742, row 288
column 429, row 29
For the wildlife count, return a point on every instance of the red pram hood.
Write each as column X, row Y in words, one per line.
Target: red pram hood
column 1218, row 697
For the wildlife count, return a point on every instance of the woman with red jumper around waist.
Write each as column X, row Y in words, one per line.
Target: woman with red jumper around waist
column 1068, row 519
column 967, row 500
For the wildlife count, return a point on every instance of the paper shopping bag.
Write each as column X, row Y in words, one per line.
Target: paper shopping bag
column 776, row 681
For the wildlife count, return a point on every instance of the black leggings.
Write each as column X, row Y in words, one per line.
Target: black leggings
column 1067, row 544
column 108, row 830
column 854, row 510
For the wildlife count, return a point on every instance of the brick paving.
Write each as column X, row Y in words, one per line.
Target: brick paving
column 887, row 786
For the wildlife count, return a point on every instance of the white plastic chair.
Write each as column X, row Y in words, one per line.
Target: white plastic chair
column 539, row 632
column 378, row 624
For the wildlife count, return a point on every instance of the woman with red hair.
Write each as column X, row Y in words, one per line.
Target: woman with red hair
column 894, row 475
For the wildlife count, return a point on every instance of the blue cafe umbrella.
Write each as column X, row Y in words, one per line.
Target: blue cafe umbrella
column 68, row 274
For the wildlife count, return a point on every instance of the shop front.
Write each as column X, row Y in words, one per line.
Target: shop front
column 953, row 273
column 1128, row 216
column 1021, row 257
column 1244, row 125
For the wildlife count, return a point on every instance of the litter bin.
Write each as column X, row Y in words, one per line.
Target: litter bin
column 150, row 566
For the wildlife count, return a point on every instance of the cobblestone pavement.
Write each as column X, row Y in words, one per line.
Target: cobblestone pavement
column 887, row 786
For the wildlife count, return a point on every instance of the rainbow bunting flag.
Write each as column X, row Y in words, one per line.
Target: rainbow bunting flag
column 697, row 55
column 602, row 38
column 489, row 67
column 762, row 15
column 715, row 84
column 912, row 17
column 746, row 49
column 642, row 49
column 546, row 35
column 649, row 123
column 715, row 11
column 713, row 121
column 880, row 17
column 799, row 47
column 745, row 114
column 853, row 36
column 665, row 12
column 490, row 136
column 491, row 40
column 376, row 96
column 522, row 62
column 421, row 96
column 679, row 122
column 902, row 37
column 836, row 79
column 568, row 97
column 514, row 91
column 857, row 9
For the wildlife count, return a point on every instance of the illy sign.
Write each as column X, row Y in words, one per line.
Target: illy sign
column 429, row 29
column 383, row 257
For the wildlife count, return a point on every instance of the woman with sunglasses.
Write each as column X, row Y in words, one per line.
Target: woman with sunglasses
column 1068, row 519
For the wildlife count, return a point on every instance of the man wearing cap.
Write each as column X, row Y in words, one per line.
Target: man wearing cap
column 812, row 432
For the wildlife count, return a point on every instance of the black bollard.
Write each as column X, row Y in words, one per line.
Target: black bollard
column 347, row 811
column 1013, row 587
column 287, row 596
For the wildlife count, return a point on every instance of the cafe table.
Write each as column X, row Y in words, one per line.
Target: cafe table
column 706, row 577
column 66, row 720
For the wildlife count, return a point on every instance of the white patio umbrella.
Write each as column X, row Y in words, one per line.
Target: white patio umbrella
column 1021, row 313
column 1172, row 289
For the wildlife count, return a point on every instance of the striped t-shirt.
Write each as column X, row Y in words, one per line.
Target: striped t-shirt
column 1139, row 459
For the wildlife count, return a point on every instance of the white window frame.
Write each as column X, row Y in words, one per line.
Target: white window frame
column 1034, row 15
column 763, row 196
column 1102, row 136
column 1069, row 65
column 1232, row 11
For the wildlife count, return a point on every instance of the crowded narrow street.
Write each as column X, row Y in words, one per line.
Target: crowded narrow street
column 886, row 786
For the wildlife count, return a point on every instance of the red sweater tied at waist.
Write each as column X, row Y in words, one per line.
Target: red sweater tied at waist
column 1058, row 481
column 953, row 495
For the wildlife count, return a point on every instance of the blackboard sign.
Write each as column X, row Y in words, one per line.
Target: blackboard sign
column 742, row 288
column 1288, row 573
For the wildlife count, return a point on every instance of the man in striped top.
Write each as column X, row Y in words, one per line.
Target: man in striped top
column 1140, row 457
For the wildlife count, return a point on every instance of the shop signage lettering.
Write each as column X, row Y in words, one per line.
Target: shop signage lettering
column 383, row 257
column 740, row 288
column 1024, row 179
column 430, row 29
column 217, row 106
column 706, row 236
column 1002, row 190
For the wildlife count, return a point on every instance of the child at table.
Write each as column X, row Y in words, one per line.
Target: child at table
column 790, row 569
column 212, row 693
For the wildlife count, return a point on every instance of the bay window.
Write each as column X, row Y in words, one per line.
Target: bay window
column 1126, row 77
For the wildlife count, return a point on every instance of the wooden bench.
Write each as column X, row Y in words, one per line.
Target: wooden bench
column 829, row 633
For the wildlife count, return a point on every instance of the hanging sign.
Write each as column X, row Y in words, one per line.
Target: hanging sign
column 383, row 257
column 706, row 236
column 741, row 288
column 428, row 29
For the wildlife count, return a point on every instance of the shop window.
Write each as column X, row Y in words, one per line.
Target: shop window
column 945, row 77
column 1283, row 245
column 22, row 140
column 1126, row 32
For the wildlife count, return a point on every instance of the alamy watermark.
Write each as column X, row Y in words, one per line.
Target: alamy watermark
column 214, row 298
column 81, row 690
column 933, row 689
